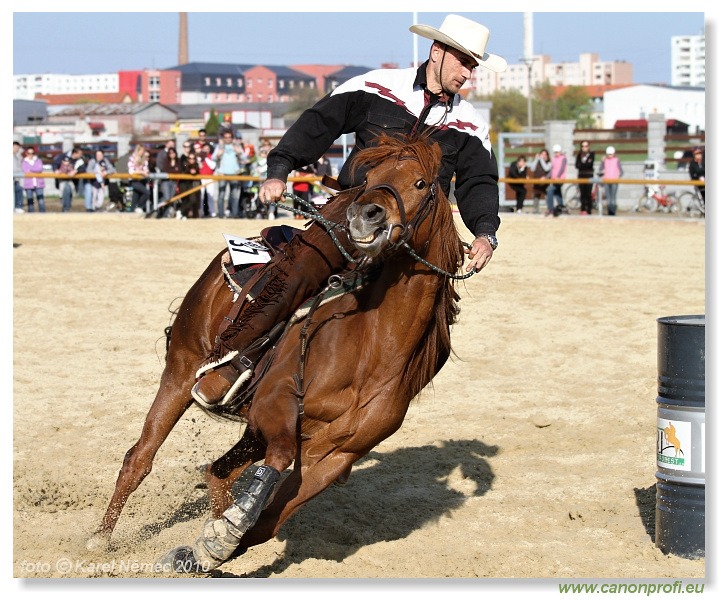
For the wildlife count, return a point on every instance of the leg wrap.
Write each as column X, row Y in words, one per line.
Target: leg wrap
column 221, row 537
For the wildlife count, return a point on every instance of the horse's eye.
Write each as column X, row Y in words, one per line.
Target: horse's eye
column 420, row 185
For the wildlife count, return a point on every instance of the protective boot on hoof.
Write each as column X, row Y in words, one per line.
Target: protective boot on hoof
column 220, row 537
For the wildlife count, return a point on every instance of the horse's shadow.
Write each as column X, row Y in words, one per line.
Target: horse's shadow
column 388, row 496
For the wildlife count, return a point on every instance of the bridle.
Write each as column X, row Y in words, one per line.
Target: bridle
column 407, row 229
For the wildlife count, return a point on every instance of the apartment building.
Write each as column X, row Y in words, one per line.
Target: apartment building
column 688, row 60
column 588, row 71
column 27, row 86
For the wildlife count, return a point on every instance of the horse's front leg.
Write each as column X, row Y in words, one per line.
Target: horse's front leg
column 172, row 400
column 275, row 417
column 223, row 472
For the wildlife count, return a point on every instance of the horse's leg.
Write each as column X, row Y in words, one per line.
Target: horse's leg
column 172, row 400
column 275, row 417
column 223, row 472
column 302, row 485
column 204, row 304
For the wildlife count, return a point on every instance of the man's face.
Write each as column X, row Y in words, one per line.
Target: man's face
column 449, row 68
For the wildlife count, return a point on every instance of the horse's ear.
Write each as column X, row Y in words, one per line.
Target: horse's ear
column 436, row 149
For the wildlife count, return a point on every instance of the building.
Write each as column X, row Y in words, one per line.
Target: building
column 688, row 60
column 27, row 87
column 588, row 71
column 684, row 104
column 107, row 121
column 226, row 83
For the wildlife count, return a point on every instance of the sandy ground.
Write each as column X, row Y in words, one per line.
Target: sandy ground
column 533, row 456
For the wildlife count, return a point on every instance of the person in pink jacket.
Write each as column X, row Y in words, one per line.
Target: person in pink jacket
column 611, row 168
column 33, row 186
column 558, row 171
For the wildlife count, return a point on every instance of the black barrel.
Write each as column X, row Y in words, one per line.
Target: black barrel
column 680, row 436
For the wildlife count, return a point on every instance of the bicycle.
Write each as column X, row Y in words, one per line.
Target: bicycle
column 693, row 204
column 654, row 197
column 572, row 196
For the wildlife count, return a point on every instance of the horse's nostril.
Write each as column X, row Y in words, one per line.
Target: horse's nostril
column 373, row 212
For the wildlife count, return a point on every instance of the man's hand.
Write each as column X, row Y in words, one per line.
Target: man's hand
column 272, row 190
column 480, row 254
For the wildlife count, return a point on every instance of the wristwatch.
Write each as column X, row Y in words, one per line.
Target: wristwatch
column 491, row 238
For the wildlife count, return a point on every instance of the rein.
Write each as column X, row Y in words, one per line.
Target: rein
column 330, row 226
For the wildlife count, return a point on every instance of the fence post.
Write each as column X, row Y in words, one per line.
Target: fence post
column 656, row 138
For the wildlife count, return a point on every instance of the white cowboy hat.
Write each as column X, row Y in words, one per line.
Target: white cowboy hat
column 466, row 36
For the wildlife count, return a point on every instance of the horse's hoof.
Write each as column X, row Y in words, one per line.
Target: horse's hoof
column 97, row 542
column 180, row 560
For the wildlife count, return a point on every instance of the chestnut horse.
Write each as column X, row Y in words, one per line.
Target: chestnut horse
column 365, row 356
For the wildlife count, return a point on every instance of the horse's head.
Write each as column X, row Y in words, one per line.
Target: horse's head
column 400, row 191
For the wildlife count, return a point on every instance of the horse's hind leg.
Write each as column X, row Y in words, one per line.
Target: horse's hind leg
column 171, row 401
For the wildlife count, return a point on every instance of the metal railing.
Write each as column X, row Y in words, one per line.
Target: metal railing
column 317, row 180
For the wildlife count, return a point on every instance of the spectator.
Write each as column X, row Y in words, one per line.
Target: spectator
column 201, row 141
column 66, row 167
column 100, row 167
column 259, row 170
column 34, row 186
column 611, row 168
column 190, row 203
column 301, row 188
column 84, row 184
column 229, row 157
column 540, row 169
column 323, row 167
column 138, row 164
column 245, row 187
column 697, row 171
column 170, row 187
column 161, row 167
column 187, row 148
column 517, row 170
column 584, row 165
column 558, row 171
column 17, row 168
column 209, row 186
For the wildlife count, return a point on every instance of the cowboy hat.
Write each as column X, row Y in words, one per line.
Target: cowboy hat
column 466, row 36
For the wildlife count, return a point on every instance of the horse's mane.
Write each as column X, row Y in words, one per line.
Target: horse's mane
column 446, row 253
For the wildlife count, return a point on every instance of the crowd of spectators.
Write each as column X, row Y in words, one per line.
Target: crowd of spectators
column 181, row 198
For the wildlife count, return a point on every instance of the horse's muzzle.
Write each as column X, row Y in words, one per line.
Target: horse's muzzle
column 368, row 227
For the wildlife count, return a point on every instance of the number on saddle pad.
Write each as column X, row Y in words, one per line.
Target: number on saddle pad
column 246, row 252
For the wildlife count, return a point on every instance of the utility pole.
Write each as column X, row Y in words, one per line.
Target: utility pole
column 416, row 44
column 528, row 59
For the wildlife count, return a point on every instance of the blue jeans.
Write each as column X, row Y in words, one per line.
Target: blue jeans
column 18, row 195
column 87, row 190
column 611, row 190
column 66, row 191
column 31, row 193
column 233, row 197
column 553, row 190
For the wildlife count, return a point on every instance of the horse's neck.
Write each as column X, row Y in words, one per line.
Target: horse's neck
column 412, row 289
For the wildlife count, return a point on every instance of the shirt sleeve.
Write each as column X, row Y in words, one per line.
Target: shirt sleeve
column 315, row 131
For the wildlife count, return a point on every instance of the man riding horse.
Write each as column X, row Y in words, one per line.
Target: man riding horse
column 386, row 101
column 423, row 101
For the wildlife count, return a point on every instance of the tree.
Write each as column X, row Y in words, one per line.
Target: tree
column 302, row 100
column 212, row 124
column 508, row 110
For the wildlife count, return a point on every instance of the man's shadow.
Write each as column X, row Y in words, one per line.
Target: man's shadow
column 388, row 496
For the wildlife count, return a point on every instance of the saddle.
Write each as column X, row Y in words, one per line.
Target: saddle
column 262, row 350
